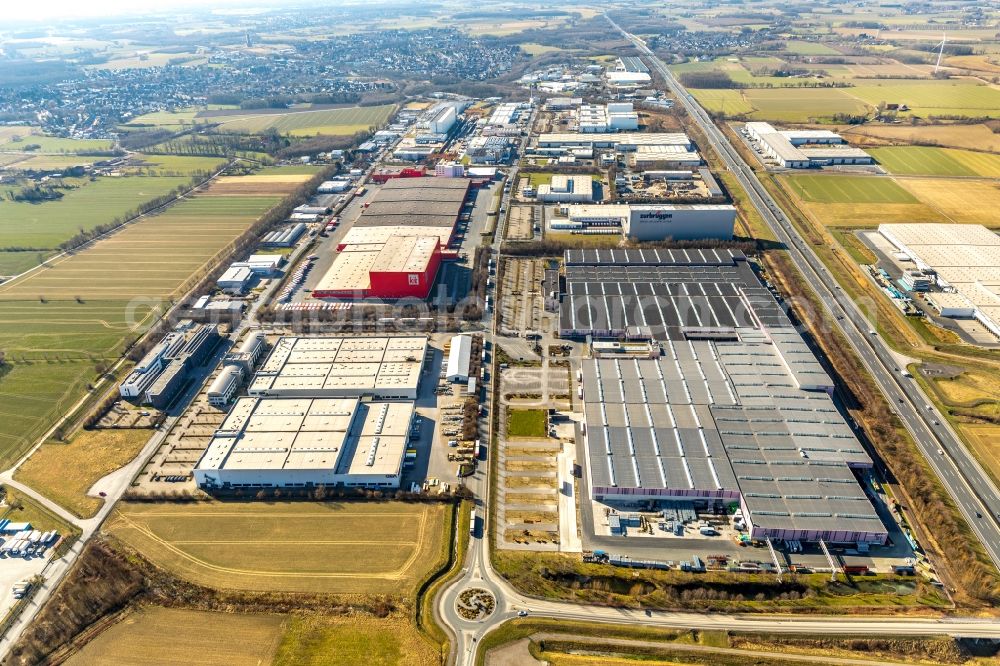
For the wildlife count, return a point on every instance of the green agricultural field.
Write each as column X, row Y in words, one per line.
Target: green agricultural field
column 15, row 132
column 728, row 101
column 849, row 189
column 534, row 49
column 148, row 259
column 780, row 104
column 953, row 97
column 930, row 161
column 526, row 423
column 147, row 60
column 13, row 263
column 800, row 47
column 178, row 165
column 32, row 162
column 318, row 641
column 54, row 144
column 307, row 123
column 45, row 225
column 159, row 636
column 33, row 396
column 740, row 71
column 802, row 104
column 340, row 548
column 51, row 350
column 59, row 321
column 165, row 118
column 10, row 159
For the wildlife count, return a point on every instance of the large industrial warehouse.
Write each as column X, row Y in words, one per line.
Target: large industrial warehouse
column 298, row 442
column 665, row 294
column 420, row 202
column 801, row 149
column 394, row 250
column 965, row 260
column 646, row 222
column 734, row 407
column 331, row 367
column 402, row 266
column 623, row 141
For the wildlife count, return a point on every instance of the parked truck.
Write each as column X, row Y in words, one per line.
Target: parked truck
column 21, row 589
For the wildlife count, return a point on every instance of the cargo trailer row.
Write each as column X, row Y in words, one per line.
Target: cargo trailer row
column 28, row 542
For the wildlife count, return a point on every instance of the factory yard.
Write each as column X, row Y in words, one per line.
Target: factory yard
column 522, row 304
column 520, row 224
column 289, row 546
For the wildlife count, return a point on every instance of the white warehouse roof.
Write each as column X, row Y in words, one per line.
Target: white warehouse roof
column 459, row 358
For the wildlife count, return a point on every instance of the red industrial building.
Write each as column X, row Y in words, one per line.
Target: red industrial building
column 385, row 175
column 402, row 267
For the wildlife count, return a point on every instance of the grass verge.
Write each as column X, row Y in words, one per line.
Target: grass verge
column 65, row 472
column 526, row 423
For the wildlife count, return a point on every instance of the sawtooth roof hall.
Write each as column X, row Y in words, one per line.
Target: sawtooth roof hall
column 729, row 409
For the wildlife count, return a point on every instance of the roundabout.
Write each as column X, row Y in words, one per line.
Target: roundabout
column 475, row 604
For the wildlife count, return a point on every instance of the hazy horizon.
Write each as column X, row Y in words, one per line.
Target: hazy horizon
column 53, row 10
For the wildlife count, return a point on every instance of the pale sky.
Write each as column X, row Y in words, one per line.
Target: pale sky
column 46, row 10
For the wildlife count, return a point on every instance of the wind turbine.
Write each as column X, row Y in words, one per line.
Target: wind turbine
column 944, row 38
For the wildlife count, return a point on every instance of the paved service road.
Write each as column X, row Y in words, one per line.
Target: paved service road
column 478, row 572
column 56, row 570
column 969, row 485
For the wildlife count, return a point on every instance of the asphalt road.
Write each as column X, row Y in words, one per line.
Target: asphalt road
column 969, row 485
column 966, row 481
column 56, row 570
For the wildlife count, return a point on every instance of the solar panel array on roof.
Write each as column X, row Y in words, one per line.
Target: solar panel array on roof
column 430, row 202
column 632, row 64
column 653, row 257
column 669, row 292
column 712, row 420
column 427, row 183
column 645, row 423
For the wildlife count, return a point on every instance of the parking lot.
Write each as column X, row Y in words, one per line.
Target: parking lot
column 438, row 405
column 325, row 248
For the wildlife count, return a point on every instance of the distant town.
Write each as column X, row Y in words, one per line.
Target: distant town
column 501, row 334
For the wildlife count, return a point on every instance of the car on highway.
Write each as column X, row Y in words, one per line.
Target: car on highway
column 940, row 452
column 522, row 613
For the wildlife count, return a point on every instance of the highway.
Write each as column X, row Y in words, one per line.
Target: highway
column 478, row 571
column 969, row 485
